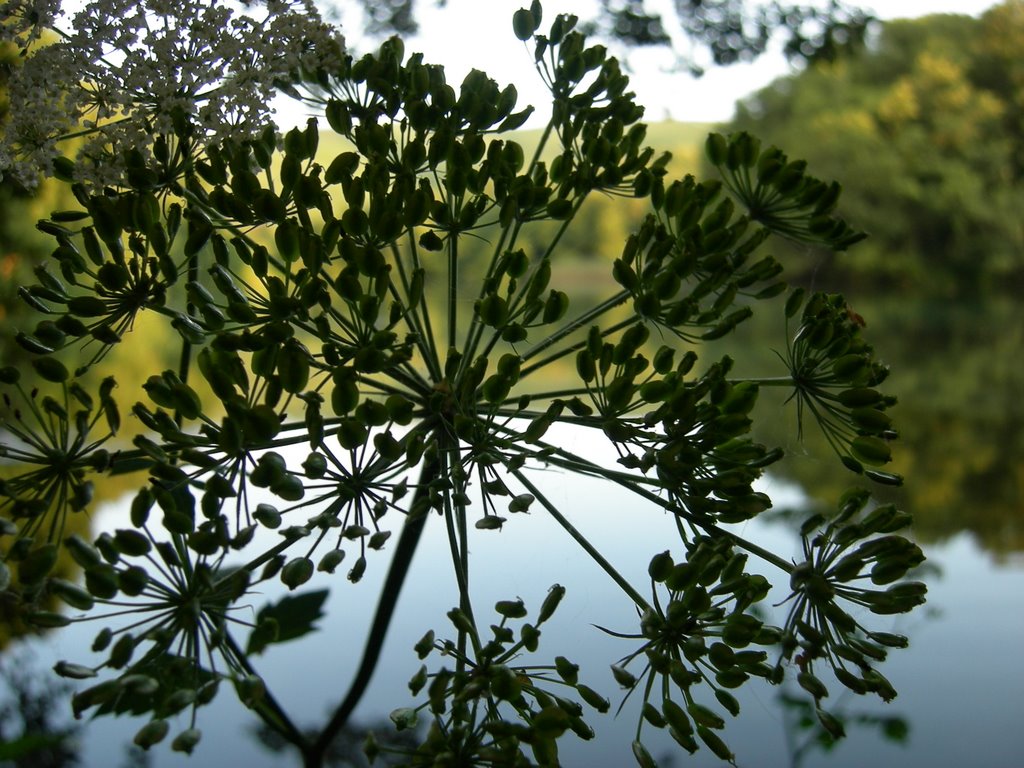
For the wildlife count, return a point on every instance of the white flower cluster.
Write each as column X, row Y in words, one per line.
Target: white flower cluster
column 130, row 70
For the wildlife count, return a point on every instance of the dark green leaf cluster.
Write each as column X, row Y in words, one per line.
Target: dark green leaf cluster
column 779, row 193
column 491, row 709
column 858, row 544
column 835, row 376
column 177, row 649
column 57, row 445
column 700, row 635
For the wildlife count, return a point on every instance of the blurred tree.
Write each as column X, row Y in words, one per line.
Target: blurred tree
column 18, row 236
column 698, row 32
column 997, row 65
column 925, row 131
column 34, row 732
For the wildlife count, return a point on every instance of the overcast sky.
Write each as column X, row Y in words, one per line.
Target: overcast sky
column 471, row 33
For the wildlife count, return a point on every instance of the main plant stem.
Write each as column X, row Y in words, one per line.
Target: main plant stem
column 405, row 548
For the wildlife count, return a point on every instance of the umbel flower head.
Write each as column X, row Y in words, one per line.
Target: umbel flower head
column 335, row 308
column 124, row 73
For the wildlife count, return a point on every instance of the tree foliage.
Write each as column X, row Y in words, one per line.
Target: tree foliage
column 924, row 127
column 698, row 32
column 361, row 388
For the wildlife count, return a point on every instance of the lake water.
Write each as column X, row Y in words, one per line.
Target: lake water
column 961, row 683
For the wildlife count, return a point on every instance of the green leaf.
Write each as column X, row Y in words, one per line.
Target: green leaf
column 294, row 615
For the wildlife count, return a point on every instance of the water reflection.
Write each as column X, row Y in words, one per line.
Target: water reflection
column 958, row 374
column 957, row 371
column 954, row 682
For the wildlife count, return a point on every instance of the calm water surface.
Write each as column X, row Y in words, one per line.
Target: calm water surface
column 961, row 683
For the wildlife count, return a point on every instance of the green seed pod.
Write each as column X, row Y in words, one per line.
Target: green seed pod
column 722, row 656
column 331, row 560
column 180, row 699
column 462, row 622
column 511, row 609
column 871, row 450
column 850, row 680
column 685, row 740
column 186, row 741
column 524, row 24
column 886, row 571
column 705, row 717
column 490, row 523
column 682, row 676
column 353, row 532
column 37, row 564
column 715, row 744
column 351, row 433
column 555, row 307
column 357, row 571
column 812, row 685
column 142, row 685
column 267, row 516
column 102, row 640
column 250, row 690
column 728, row 701
column 877, row 683
column 151, row 733
column 87, row 306
column 71, row 594
column 94, row 696
column 289, row 487
column 51, row 369
column 505, row 684
column 122, row 651
column 717, row 148
column 207, row 692
column 496, row 388
column 643, row 757
column 871, row 419
column 568, row 671
column 133, row 580
column 676, row 717
column 623, row 677
column 550, row 723
column 660, row 566
column 585, row 366
column 530, row 637
column 493, row 310
column 73, row 671
column 550, row 604
column 884, row 478
column 297, row 572
column 851, row 367
column 859, row 397
column 417, row 681
column 81, row 551
column 47, row 619
column 889, row 640
column 593, row 698
column 425, row 645
column 652, row 716
column 831, row 724
column 131, row 542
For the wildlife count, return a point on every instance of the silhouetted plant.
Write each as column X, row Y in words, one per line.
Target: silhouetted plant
column 322, row 306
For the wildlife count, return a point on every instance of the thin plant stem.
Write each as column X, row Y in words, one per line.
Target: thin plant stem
column 405, row 548
column 589, row 548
